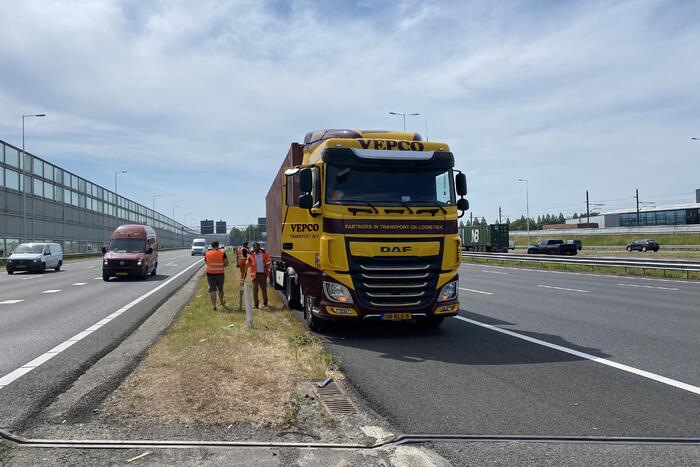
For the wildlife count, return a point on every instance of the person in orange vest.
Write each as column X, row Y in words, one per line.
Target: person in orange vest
column 216, row 261
column 258, row 266
column 241, row 256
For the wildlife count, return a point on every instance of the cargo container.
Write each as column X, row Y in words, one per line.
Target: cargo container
column 492, row 238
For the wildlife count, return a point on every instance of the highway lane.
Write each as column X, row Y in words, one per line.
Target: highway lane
column 40, row 312
column 464, row 378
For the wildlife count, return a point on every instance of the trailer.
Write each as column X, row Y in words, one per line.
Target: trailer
column 493, row 237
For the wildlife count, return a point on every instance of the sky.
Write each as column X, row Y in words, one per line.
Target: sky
column 199, row 101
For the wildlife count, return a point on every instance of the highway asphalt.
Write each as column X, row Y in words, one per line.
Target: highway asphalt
column 468, row 378
column 43, row 318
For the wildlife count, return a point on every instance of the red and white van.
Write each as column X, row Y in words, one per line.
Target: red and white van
column 132, row 252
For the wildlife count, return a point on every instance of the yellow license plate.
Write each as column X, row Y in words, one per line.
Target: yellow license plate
column 122, row 274
column 396, row 316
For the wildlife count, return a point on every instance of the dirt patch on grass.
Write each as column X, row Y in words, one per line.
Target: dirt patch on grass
column 209, row 368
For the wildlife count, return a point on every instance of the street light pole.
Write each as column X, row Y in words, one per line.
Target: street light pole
column 404, row 117
column 24, row 176
column 154, row 201
column 527, row 205
column 174, row 210
column 115, row 179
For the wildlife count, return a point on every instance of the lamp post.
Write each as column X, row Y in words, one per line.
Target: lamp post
column 24, row 174
column 527, row 205
column 174, row 210
column 154, row 201
column 115, row 179
column 404, row 117
column 187, row 214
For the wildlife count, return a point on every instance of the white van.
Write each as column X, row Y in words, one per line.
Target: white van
column 37, row 257
column 199, row 246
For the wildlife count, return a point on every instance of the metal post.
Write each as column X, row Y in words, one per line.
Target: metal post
column 636, row 195
column 588, row 209
column 500, row 221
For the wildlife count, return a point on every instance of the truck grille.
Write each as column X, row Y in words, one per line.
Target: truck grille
column 391, row 283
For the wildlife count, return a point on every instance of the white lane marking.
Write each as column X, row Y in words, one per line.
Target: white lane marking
column 649, row 286
column 80, row 283
column 593, row 358
column 24, row 369
column 51, row 291
column 31, row 277
column 96, row 278
column 493, row 272
column 10, row 302
column 90, row 267
column 476, row 291
column 562, row 288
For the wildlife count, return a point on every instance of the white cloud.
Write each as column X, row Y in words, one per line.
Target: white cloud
column 574, row 96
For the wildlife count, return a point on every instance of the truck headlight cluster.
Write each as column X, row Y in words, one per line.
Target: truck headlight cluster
column 448, row 292
column 337, row 292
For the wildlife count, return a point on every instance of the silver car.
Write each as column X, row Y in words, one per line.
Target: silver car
column 36, row 257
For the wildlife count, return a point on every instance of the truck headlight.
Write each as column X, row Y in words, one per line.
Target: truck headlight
column 448, row 292
column 337, row 292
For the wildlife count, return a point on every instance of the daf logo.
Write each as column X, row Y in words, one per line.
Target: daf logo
column 394, row 249
column 121, row 263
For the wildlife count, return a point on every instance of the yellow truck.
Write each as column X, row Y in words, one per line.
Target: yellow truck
column 362, row 225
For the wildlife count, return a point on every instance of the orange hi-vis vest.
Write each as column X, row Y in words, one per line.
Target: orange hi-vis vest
column 215, row 262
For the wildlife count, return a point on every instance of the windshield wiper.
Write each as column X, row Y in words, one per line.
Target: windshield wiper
column 432, row 211
column 405, row 204
column 354, row 211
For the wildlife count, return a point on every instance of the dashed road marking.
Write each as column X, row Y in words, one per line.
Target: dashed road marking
column 593, row 358
column 493, row 272
column 90, row 267
column 31, row 277
column 10, row 302
column 96, row 278
column 563, row 288
column 649, row 287
column 80, row 283
column 476, row 291
column 51, row 291
column 24, row 369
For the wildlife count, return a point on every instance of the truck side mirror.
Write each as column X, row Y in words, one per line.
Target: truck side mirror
column 305, row 180
column 306, row 201
column 461, row 180
column 104, row 250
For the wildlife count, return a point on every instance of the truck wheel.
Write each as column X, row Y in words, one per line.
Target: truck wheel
column 293, row 299
column 315, row 324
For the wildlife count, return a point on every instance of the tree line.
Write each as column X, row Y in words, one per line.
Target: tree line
column 535, row 223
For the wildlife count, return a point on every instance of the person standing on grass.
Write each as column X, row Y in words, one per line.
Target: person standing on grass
column 258, row 267
column 216, row 261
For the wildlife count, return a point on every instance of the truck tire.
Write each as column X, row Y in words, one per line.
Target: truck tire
column 293, row 295
column 315, row 324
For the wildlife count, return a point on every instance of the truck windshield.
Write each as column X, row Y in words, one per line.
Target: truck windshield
column 353, row 185
column 127, row 245
column 29, row 248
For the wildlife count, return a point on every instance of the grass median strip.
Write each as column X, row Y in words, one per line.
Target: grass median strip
column 209, row 368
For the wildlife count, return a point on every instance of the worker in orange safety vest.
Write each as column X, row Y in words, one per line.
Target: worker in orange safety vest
column 258, row 267
column 216, row 261
column 241, row 256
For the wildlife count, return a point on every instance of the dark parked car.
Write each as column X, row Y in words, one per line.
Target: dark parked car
column 643, row 245
column 578, row 243
column 552, row 247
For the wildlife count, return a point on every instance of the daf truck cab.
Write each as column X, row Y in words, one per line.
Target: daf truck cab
column 362, row 225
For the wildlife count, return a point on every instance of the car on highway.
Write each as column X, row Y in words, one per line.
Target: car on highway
column 132, row 251
column 552, row 247
column 643, row 245
column 35, row 257
column 199, row 246
column 578, row 243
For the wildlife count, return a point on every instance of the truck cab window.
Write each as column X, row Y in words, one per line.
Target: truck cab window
column 293, row 191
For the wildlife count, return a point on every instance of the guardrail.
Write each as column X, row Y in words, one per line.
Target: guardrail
column 684, row 267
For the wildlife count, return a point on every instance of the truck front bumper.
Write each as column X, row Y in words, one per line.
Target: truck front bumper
column 355, row 312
